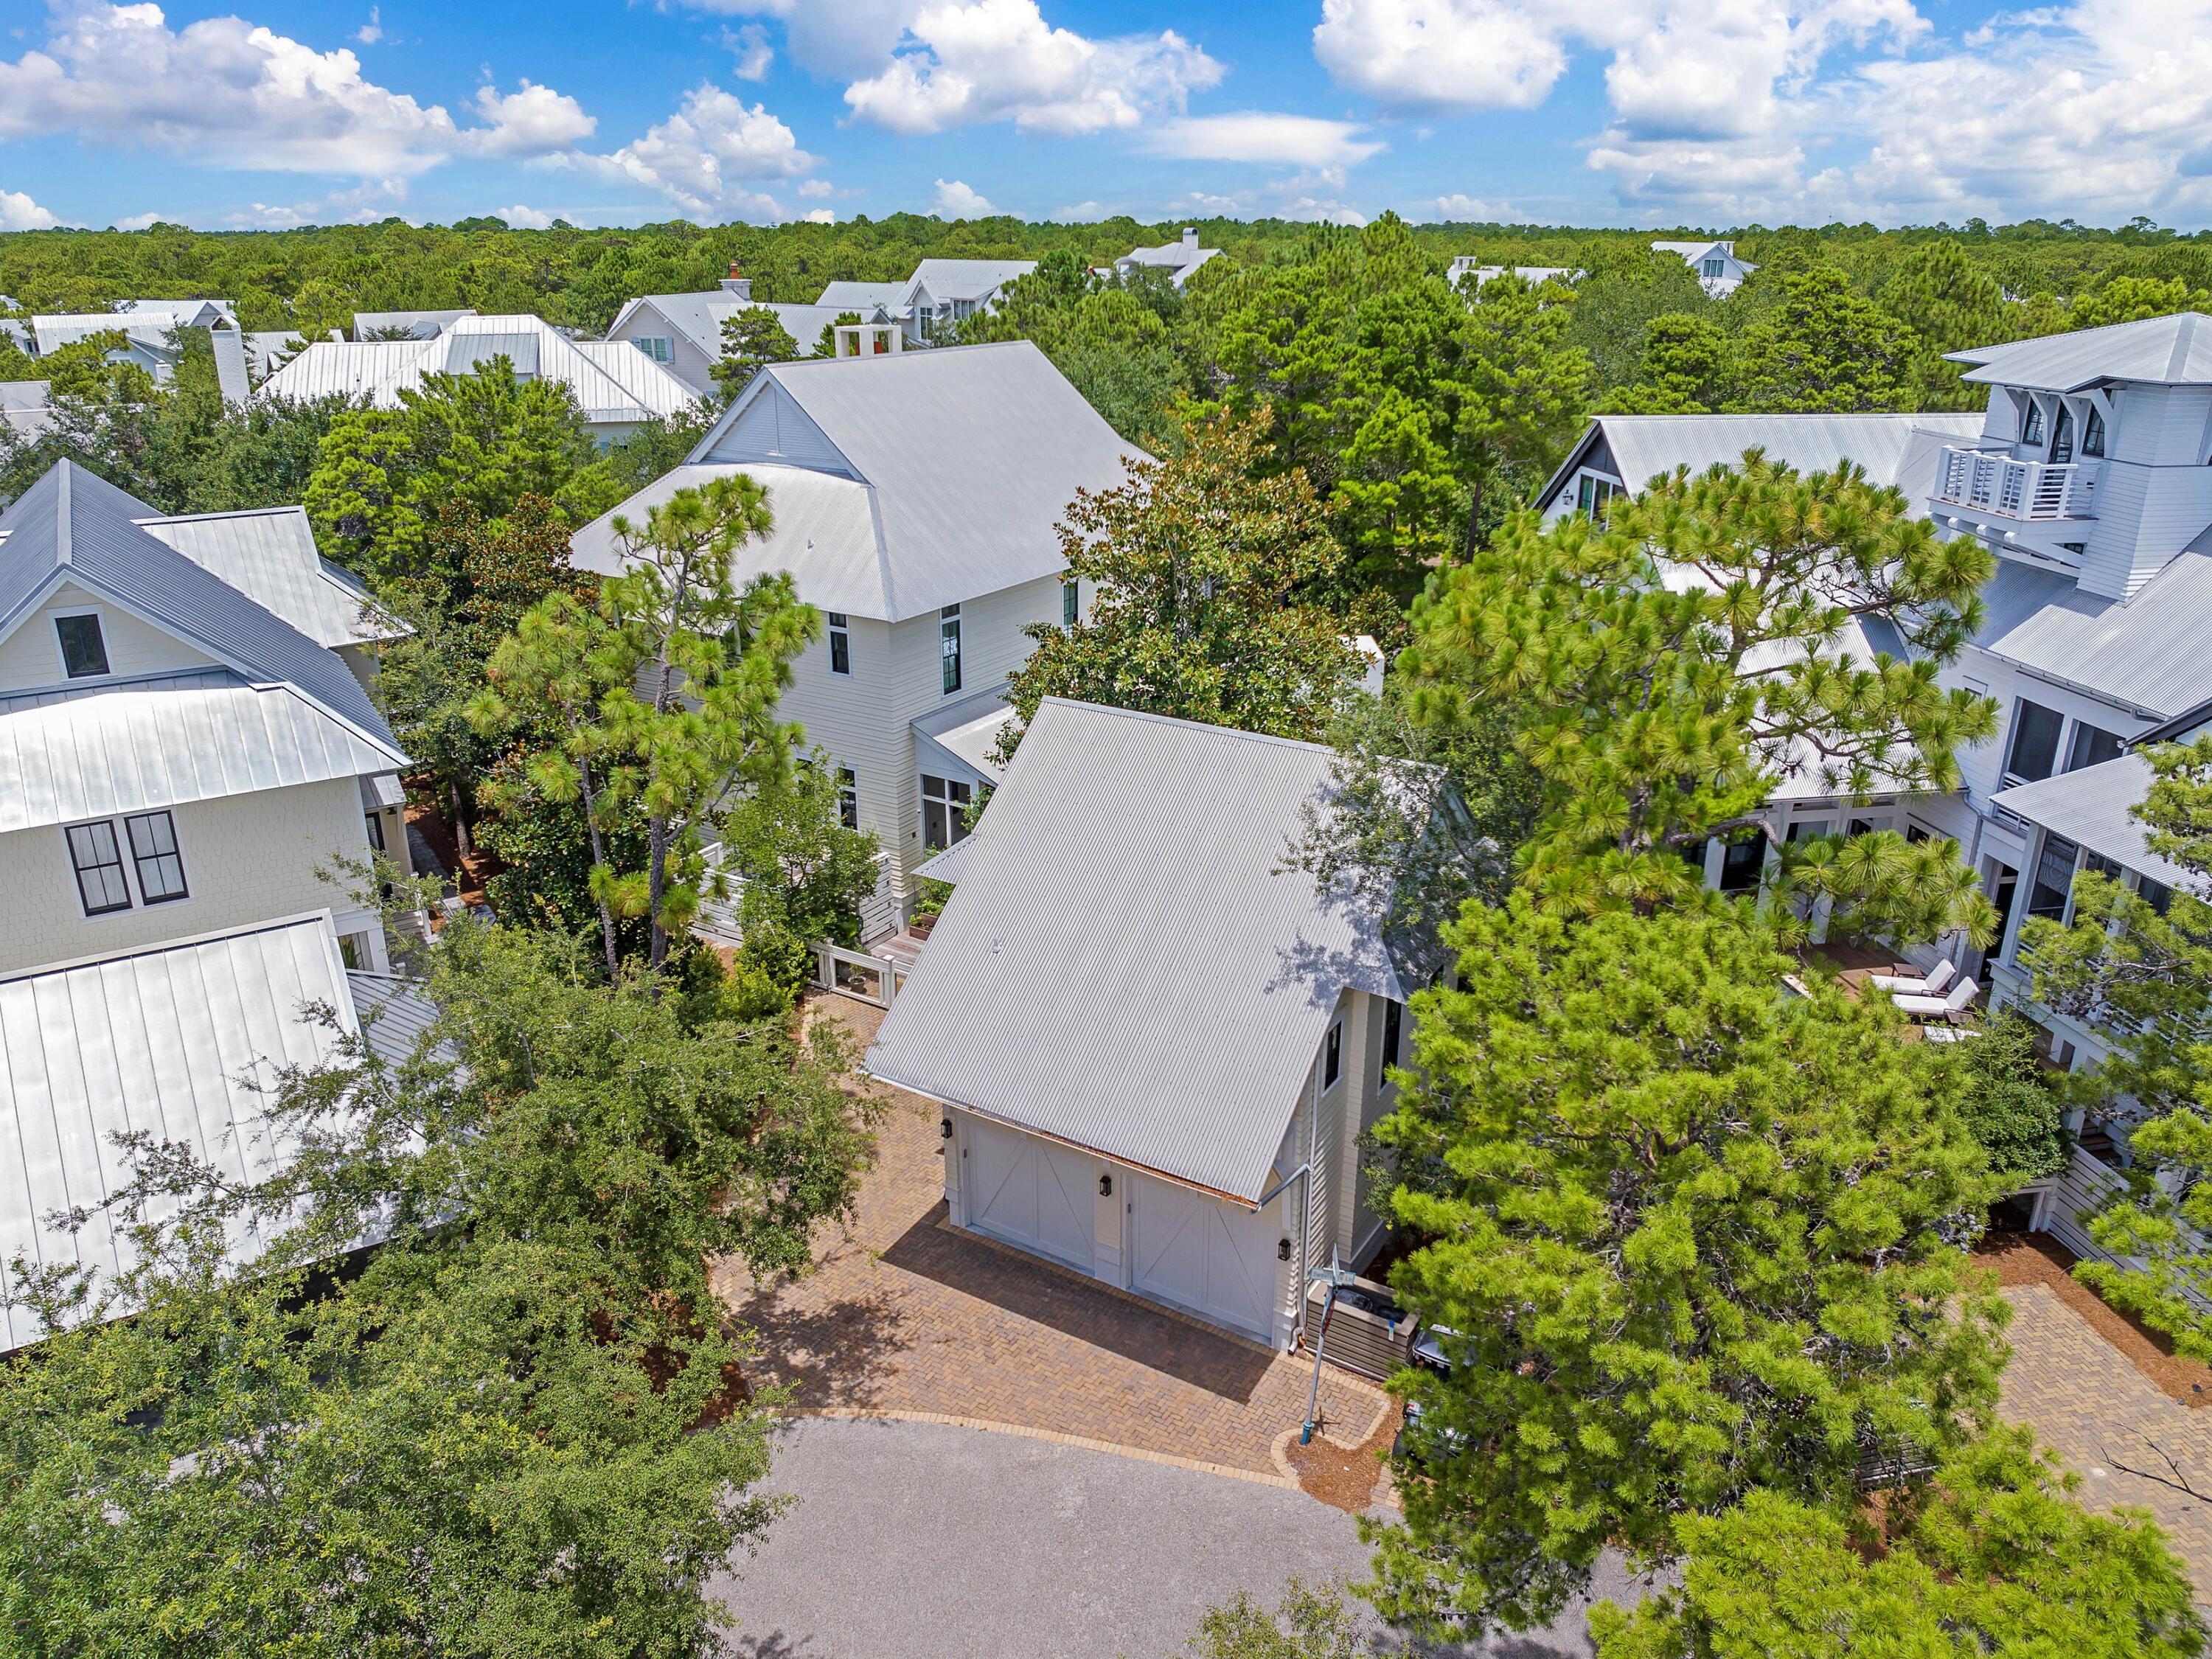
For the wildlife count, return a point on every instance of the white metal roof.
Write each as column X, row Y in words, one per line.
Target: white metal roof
column 1150, row 983
column 1893, row 448
column 419, row 324
column 861, row 296
column 135, row 746
column 972, row 510
column 2174, row 350
column 24, row 408
column 2147, row 650
column 611, row 389
column 269, row 555
column 966, row 279
column 968, row 730
column 2095, row 806
column 169, row 1041
column 699, row 317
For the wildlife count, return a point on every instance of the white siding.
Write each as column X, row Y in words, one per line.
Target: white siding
column 31, row 655
column 690, row 365
column 247, row 859
column 772, row 428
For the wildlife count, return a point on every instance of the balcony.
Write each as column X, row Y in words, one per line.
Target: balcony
column 2032, row 491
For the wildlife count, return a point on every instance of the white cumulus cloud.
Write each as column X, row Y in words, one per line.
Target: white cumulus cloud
column 710, row 156
column 533, row 121
column 970, row 60
column 1300, row 141
column 1459, row 206
column 19, row 212
column 749, row 52
column 955, row 200
column 821, row 215
column 838, row 39
column 526, row 218
column 371, row 31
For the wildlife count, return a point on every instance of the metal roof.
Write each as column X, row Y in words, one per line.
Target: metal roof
column 86, row 752
column 2095, row 807
column 610, row 390
column 1149, row 983
column 972, row 510
column 24, row 409
column 2147, row 650
column 2174, row 350
column 966, row 279
column 419, row 324
column 73, row 525
column 269, row 555
column 394, row 1014
column 699, row 317
column 1645, row 447
column 168, row 1040
column 859, row 296
column 968, row 730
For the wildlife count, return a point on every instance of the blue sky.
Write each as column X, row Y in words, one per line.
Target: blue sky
column 1700, row 113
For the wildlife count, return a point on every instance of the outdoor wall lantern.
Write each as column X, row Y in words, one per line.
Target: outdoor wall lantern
column 1106, row 1186
column 944, row 1127
column 1283, row 1249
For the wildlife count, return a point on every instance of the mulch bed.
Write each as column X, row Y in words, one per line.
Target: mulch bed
column 2022, row 1258
column 1344, row 1479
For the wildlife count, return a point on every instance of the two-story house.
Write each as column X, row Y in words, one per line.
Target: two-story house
column 182, row 771
column 1720, row 273
column 683, row 332
column 1200, row 1146
column 916, row 497
column 1180, row 258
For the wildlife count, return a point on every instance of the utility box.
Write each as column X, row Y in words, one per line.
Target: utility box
column 1369, row 1333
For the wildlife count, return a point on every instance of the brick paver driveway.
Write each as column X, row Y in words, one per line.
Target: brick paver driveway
column 909, row 1316
column 2132, row 1445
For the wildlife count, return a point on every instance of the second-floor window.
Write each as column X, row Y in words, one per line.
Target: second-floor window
column 658, row 347
column 1071, row 604
column 154, row 854
column 97, row 858
column 2054, row 878
column 2061, row 436
column 1394, row 1017
column 944, row 803
column 84, row 649
column 1332, row 1060
column 1714, row 267
column 948, row 632
column 1742, row 862
column 2093, row 433
column 2090, row 747
column 841, row 643
column 2031, row 424
column 1592, row 494
column 2034, row 752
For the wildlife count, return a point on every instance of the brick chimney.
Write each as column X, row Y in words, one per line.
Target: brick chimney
column 734, row 284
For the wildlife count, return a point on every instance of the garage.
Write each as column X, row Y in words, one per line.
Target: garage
column 1208, row 1257
column 1036, row 1194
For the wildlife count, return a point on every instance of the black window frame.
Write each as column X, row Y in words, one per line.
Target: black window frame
column 70, row 671
column 1394, row 1032
column 848, row 798
column 1332, row 1061
column 1737, row 856
column 841, row 643
column 1071, row 604
column 375, row 821
column 2086, row 736
column 162, row 822
column 2050, row 885
column 948, row 648
column 111, row 861
column 2022, row 707
column 2031, row 424
column 951, row 800
column 2093, row 433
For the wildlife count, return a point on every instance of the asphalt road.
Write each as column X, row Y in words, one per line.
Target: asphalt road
column 916, row 1541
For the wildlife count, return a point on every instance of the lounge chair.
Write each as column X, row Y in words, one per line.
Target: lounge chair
column 1949, row 1007
column 1930, row 985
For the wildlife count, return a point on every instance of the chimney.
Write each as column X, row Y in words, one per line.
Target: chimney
column 740, row 286
column 1190, row 238
column 230, row 376
column 869, row 339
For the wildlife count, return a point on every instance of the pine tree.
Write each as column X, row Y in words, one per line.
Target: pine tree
column 751, row 339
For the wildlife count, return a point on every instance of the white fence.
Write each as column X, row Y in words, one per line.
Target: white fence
column 2085, row 1186
column 856, row 974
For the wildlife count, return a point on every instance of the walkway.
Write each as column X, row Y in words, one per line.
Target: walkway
column 912, row 1317
column 2130, row 1442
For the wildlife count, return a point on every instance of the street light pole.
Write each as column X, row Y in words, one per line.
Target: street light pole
column 1335, row 1278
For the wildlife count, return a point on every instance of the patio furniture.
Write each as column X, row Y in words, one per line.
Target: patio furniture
column 1949, row 1033
column 1931, row 984
column 1949, row 1007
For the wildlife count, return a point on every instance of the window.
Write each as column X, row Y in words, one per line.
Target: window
column 1862, row 827
column 1741, row 862
column 2061, row 436
column 154, row 850
column 84, row 652
column 1394, row 1017
column 841, row 643
column 353, row 950
column 1916, row 832
column 848, row 798
column 2092, row 432
column 375, row 821
column 2090, row 747
column 1807, row 828
column 2054, row 878
column 1332, row 1064
column 943, row 811
column 1070, row 604
column 1592, row 493
column 1714, row 268
column 2031, row 425
column 2103, row 865
column 99, row 864
column 2034, row 742
column 658, row 347
column 2155, row 894
column 948, row 629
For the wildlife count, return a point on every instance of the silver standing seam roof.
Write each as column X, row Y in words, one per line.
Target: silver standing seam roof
column 2147, row 650
column 269, row 555
column 1151, row 984
column 73, row 525
column 2095, row 807
column 92, row 750
column 904, row 481
column 1644, row 447
column 2174, row 350
column 169, row 1040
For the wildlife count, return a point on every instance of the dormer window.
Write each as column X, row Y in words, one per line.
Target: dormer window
column 2093, row 433
column 2030, row 427
column 1714, row 267
column 2061, row 436
column 84, row 650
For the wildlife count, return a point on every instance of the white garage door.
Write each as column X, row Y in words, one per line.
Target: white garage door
column 1215, row 1260
column 1036, row 1194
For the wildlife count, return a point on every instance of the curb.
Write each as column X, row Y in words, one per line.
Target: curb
column 1286, row 1480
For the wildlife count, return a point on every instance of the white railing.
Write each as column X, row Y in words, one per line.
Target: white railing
column 1991, row 482
column 857, row 974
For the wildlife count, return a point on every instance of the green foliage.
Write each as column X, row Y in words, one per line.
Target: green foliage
column 2131, row 299
column 1951, row 303
column 1310, row 1624
column 2009, row 1102
column 1820, row 346
column 1618, row 300
column 1688, row 368
column 2140, row 972
column 524, row 1434
column 1693, row 1236
column 658, row 703
column 1196, row 570
column 1656, row 712
column 1997, row 1558
column 751, row 339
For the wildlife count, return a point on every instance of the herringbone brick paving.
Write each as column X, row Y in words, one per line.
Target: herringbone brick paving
column 2111, row 1423
column 910, row 1314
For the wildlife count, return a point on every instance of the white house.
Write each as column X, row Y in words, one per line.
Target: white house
column 940, row 293
column 180, row 766
column 928, row 559
column 406, row 324
column 1467, row 264
column 683, row 332
column 1179, row 259
column 1156, row 1049
column 1720, row 273
column 146, row 327
column 617, row 387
